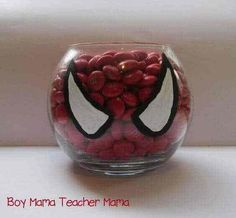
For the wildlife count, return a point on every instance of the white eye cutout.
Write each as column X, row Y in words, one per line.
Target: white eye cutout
column 156, row 116
column 89, row 118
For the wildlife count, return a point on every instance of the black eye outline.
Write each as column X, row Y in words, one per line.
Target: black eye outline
column 72, row 70
column 136, row 115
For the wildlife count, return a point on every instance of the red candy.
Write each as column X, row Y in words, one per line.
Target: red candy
column 153, row 69
column 142, row 65
column 121, row 56
column 128, row 65
column 117, row 130
column 92, row 62
column 97, row 97
column 127, row 115
column 123, row 149
column 52, row 98
column 160, row 144
column 107, row 154
column 61, row 115
column 112, row 72
column 96, row 80
column 104, row 60
column 119, row 81
column 82, row 77
column 102, row 143
column 57, row 97
column 112, row 89
column 154, row 53
column 148, row 80
column 81, row 64
column 86, row 57
column 145, row 143
column 151, row 59
column 75, row 137
column 140, row 152
column 98, row 145
column 139, row 55
column 116, row 106
column 133, row 77
column 58, row 83
column 143, row 146
column 145, row 93
column 111, row 52
column 130, row 99
column 131, row 133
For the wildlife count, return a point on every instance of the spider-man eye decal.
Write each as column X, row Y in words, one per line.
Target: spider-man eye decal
column 90, row 118
column 157, row 114
column 153, row 118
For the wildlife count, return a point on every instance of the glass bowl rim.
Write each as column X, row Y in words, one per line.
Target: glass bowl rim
column 125, row 43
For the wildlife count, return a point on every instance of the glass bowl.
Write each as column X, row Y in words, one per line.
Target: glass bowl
column 119, row 108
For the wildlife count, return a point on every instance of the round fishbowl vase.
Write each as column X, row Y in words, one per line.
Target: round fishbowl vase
column 119, row 108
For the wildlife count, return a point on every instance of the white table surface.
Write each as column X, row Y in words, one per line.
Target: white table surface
column 197, row 182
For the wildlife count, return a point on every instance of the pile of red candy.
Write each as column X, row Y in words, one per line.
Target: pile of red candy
column 119, row 81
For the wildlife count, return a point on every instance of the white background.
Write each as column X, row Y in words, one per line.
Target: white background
column 35, row 34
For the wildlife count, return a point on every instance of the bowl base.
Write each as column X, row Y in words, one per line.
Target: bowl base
column 110, row 169
column 131, row 167
column 123, row 168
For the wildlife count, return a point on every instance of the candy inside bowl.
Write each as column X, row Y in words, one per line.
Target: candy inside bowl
column 119, row 109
